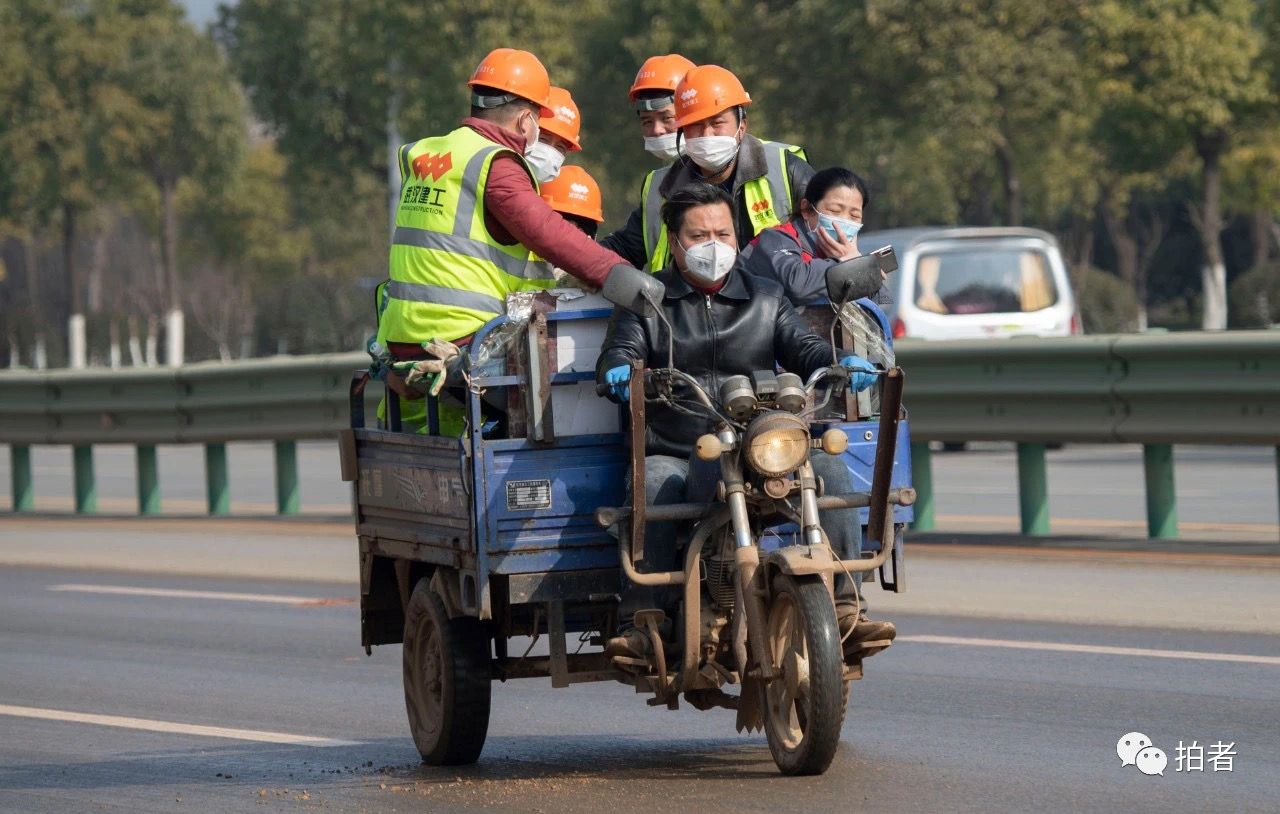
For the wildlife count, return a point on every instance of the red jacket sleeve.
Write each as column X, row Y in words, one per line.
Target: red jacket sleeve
column 510, row 199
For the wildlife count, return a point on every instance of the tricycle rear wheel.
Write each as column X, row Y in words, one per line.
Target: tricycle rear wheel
column 447, row 680
column 804, row 703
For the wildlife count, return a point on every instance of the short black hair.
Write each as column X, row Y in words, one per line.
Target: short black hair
column 503, row 113
column 698, row 193
column 823, row 181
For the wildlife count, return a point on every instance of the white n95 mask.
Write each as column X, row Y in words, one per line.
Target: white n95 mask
column 709, row 262
column 712, row 153
column 544, row 160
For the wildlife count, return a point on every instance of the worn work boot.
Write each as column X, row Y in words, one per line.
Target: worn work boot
column 630, row 643
column 863, row 637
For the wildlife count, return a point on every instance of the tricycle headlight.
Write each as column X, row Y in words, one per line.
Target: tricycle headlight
column 777, row 443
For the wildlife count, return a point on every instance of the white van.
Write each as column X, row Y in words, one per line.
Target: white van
column 969, row 282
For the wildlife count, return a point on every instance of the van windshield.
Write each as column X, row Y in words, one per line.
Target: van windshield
column 984, row 281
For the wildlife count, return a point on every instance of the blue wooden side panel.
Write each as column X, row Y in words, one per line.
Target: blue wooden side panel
column 539, row 503
column 861, row 459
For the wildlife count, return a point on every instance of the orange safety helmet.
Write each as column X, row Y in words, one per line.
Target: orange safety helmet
column 660, row 73
column 574, row 192
column 518, row 73
column 705, row 91
column 565, row 123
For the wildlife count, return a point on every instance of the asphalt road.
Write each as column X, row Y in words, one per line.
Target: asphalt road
column 1092, row 488
column 1019, row 721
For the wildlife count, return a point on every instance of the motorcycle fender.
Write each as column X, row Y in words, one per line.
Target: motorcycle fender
column 802, row 560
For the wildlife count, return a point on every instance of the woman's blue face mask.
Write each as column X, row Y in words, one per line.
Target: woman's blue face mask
column 831, row 224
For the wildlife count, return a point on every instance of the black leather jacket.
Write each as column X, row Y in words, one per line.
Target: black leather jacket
column 747, row 325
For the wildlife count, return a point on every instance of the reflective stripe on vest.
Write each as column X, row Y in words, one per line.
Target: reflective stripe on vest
column 651, row 210
column 768, row 201
column 449, row 275
column 456, row 297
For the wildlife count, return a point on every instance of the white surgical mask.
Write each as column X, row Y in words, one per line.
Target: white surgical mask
column 709, row 262
column 662, row 147
column 544, row 160
column 712, row 153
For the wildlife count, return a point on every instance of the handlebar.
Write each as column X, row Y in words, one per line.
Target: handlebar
column 839, row 372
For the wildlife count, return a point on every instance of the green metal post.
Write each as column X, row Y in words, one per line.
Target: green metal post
column 24, row 496
column 1278, row 473
column 148, row 480
column 287, row 477
column 1162, row 502
column 1033, row 489
column 922, row 480
column 86, row 488
column 215, row 478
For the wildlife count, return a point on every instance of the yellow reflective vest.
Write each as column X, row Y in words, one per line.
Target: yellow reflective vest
column 448, row 275
column 768, row 200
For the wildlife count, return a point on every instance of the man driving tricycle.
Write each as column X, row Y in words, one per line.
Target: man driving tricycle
column 728, row 323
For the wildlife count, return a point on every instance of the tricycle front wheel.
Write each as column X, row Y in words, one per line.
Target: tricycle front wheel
column 804, row 703
column 447, row 680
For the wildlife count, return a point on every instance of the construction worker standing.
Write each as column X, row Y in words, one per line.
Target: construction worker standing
column 470, row 221
column 576, row 196
column 765, row 179
column 653, row 95
column 558, row 135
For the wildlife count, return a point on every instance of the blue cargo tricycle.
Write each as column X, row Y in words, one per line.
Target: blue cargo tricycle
column 471, row 547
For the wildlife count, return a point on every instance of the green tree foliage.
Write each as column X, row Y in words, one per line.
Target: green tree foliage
column 197, row 126
column 1183, row 74
column 1134, row 129
column 1255, row 297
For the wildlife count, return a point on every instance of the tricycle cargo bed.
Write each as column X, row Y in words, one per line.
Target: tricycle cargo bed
column 411, row 489
column 535, row 510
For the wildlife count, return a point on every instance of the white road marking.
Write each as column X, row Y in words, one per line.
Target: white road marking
column 1106, row 650
column 174, row 593
column 145, row 724
column 1101, row 522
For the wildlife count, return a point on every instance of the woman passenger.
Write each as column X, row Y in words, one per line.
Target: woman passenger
column 822, row 233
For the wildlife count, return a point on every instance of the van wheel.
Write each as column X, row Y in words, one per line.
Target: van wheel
column 447, row 680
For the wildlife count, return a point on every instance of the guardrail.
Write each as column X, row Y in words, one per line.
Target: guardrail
column 1156, row 390
column 282, row 399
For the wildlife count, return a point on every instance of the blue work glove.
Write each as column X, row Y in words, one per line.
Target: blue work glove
column 862, row 374
column 617, row 378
